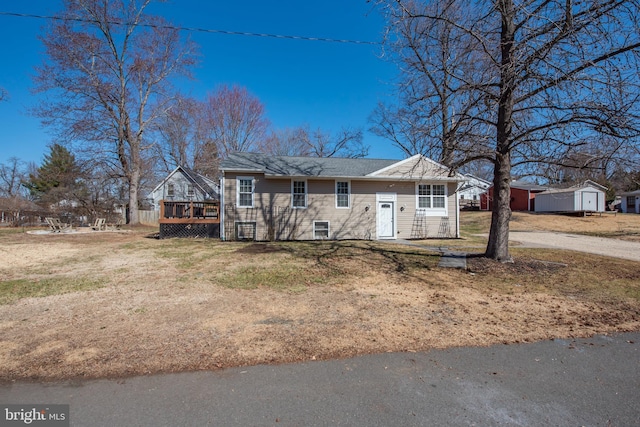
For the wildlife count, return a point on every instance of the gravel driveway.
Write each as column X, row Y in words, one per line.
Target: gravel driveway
column 594, row 245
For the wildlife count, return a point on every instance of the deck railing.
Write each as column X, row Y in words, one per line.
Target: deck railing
column 189, row 212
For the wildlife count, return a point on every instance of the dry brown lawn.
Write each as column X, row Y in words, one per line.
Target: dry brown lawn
column 118, row 304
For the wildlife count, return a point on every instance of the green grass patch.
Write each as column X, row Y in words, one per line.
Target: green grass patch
column 475, row 222
column 134, row 246
column 186, row 259
column 286, row 278
column 8, row 231
column 14, row 290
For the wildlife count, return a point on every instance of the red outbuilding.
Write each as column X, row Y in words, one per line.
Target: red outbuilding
column 523, row 196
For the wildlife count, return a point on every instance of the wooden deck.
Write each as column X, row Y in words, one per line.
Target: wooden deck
column 178, row 212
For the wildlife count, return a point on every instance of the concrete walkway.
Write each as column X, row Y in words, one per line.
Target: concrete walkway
column 575, row 382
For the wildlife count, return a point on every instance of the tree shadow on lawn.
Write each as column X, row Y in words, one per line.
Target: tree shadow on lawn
column 372, row 255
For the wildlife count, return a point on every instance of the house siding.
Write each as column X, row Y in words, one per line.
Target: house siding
column 180, row 184
column 556, row 202
column 520, row 199
column 416, row 170
column 275, row 219
column 630, row 202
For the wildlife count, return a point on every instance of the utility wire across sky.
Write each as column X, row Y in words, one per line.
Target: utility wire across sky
column 201, row 30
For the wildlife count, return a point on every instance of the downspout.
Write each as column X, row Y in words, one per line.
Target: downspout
column 221, row 215
column 458, row 210
column 457, row 216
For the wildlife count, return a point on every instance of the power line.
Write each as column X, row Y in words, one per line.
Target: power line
column 200, row 30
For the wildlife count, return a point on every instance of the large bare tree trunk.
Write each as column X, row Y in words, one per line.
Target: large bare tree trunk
column 134, row 185
column 498, row 245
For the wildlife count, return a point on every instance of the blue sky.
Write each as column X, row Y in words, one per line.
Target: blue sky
column 320, row 84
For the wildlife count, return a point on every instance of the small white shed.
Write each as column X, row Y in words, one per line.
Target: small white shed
column 587, row 197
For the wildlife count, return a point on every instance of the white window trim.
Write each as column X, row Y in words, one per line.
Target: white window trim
column 306, row 194
column 328, row 229
column 432, row 211
column 253, row 190
column 348, row 193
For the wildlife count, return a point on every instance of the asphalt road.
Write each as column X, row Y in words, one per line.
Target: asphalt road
column 594, row 245
column 582, row 382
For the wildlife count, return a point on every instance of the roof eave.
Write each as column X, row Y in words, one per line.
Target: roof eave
column 166, row 178
column 242, row 170
column 370, row 178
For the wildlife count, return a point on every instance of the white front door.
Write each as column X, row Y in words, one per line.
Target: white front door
column 385, row 220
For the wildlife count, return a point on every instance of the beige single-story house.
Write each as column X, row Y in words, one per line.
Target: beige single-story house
column 303, row 198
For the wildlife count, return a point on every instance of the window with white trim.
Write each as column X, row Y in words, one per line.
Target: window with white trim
column 299, row 194
column 320, row 229
column 190, row 191
column 343, row 194
column 246, row 230
column 431, row 197
column 171, row 191
column 244, row 191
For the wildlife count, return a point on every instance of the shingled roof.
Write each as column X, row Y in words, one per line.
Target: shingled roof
column 201, row 181
column 523, row 185
column 205, row 184
column 303, row 166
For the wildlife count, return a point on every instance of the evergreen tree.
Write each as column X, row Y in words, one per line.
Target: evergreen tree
column 58, row 180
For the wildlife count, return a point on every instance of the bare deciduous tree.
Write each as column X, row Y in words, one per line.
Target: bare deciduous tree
column 436, row 104
column 345, row 143
column 286, row 142
column 12, row 175
column 184, row 138
column 234, row 120
column 550, row 76
column 109, row 66
column 301, row 141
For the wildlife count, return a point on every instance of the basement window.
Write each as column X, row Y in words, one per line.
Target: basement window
column 321, row 230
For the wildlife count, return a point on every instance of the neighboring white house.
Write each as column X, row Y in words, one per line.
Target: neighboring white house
column 630, row 202
column 472, row 188
column 183, row 184
column 587, row 197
